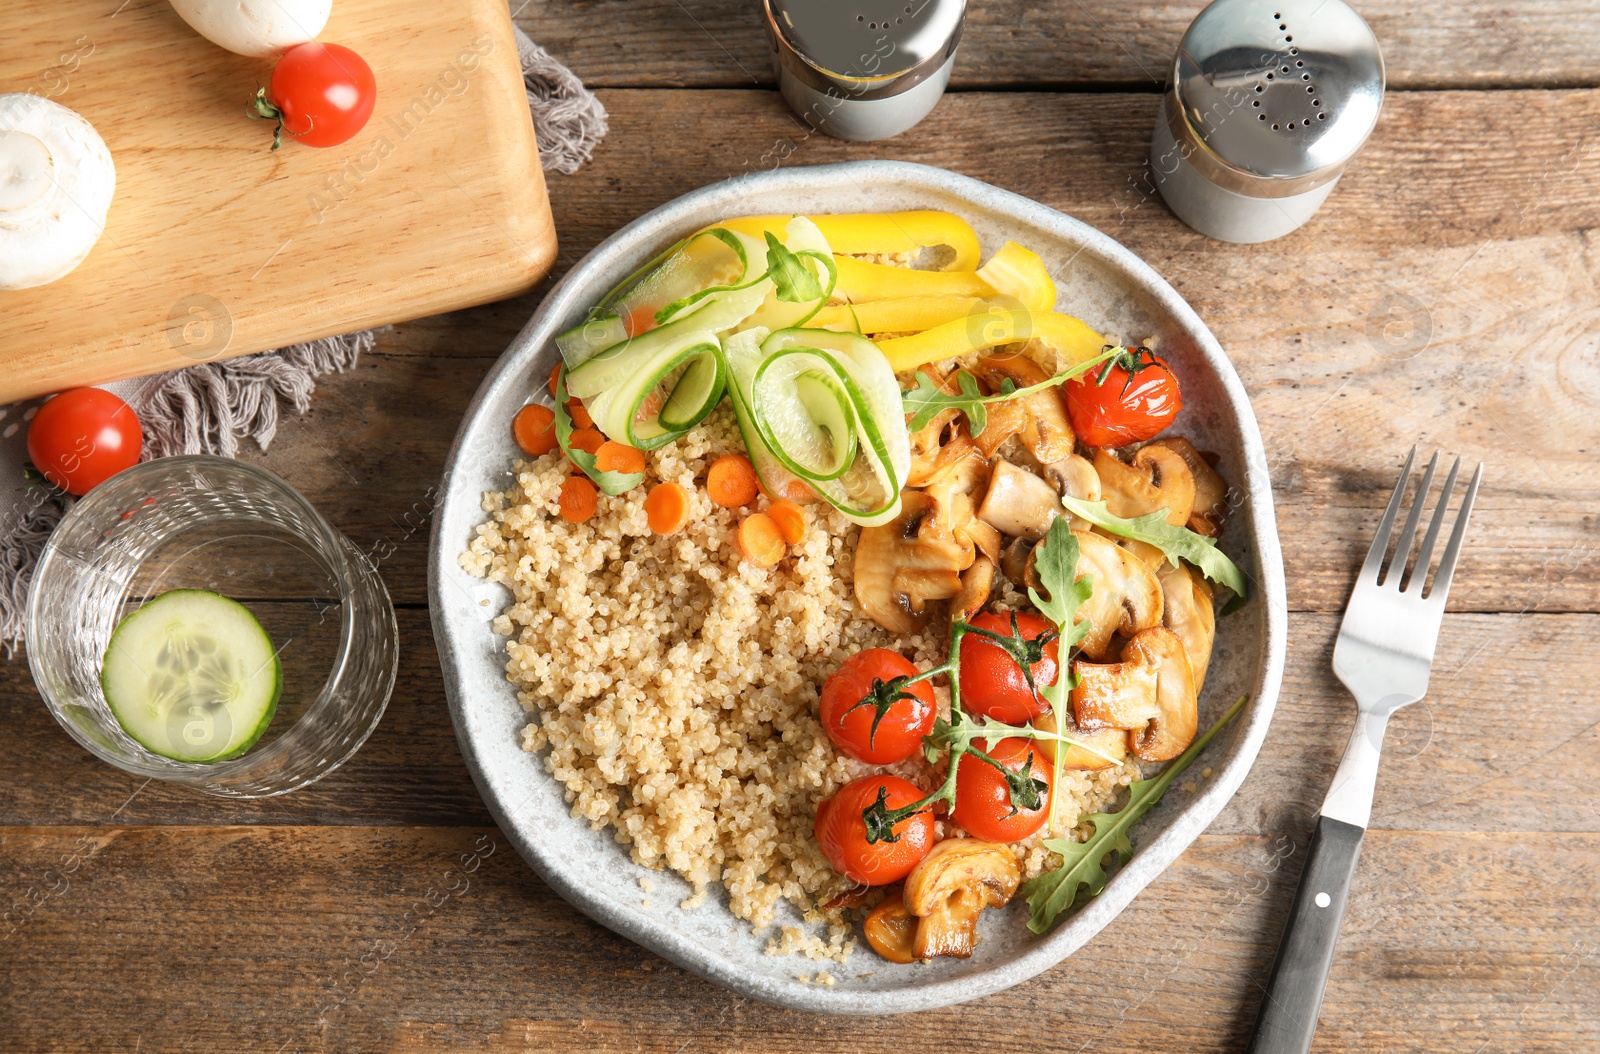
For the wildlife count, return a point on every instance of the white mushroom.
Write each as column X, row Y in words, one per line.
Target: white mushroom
column 1150, row 693
column 255, row 27
column 1074, row 477
column 1126, row 597
column 977, row 582
column 1187, row 611
column 1157, row 479
column 1018, row 503
column 56, row 184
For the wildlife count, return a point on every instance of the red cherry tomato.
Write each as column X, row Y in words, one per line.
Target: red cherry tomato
column 984, row 805
column 859, row 728
column 992, row 684
column 842, row 832
column 1130, row 399
column 321, row 94
column 82, row 437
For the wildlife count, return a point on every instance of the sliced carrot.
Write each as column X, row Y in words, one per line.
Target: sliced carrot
column 534, row 429
column 579, row 414
column 791, row 520
column 760, row 540
column 578, row 499
column 731, row 482
column 555, row 372
column 588, row 439
column 667, row 507
column 618, row 457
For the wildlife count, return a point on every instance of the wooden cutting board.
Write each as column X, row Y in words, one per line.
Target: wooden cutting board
column 216, row 246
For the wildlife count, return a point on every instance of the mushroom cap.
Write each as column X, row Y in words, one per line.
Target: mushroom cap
column 1126, row 597
column 1157, row 479
column 46, row 237
column 1018, row 502
column 950, row 887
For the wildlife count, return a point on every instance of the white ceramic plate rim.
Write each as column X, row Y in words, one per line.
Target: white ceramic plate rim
column 457, row 636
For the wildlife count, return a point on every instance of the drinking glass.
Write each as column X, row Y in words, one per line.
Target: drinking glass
column 198, row 522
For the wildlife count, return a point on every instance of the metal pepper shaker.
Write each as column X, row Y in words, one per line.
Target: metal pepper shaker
column 1269, row 102
column 864, row 69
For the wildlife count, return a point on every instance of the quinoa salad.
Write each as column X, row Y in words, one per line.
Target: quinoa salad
column 845, row 571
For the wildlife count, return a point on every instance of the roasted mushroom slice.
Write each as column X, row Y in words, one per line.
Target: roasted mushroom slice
column 905, row 563
column 1074, row 476
column 1126, row 597
column 1157, row 479
column 1046, row 433
column 976, row 583
column 1018, row 502
column 955, row 461
column 1187, row 611
column 1016, row 560
column 1099, row 750
column 950, row 888
column 1210, row 489
column 1150, row 693
column 891, row 929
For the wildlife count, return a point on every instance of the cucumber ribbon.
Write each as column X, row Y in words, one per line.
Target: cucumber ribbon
column 720, row 312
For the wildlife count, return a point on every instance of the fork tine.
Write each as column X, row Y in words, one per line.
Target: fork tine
column 1408, row 533
column 1447, row 562
column 1419, row 573
column 1380, row 543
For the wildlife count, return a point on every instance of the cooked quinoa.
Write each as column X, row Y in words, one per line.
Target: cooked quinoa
column 672, row 687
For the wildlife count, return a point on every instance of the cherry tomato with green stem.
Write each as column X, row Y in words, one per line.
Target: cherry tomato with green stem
column 867, row 717
column 82, row 437
column 993, row 683
column 1130, row 399
column 321, row 94
column 1003, row 806
column 842, row 832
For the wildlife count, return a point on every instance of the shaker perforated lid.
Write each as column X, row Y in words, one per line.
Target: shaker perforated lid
column 1278, row 94
column 872, row 48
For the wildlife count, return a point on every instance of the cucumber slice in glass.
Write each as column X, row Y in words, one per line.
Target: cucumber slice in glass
column 192, row 676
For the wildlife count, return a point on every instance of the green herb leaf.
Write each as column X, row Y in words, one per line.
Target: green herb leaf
column 1176, row 542
column 1083, row 868
column 927, row 400
column 1056, row 563
column 612, row 483
column 794, row 281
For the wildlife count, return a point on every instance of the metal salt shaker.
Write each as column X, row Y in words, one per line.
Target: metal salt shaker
column 1270, row 100
column 864, row 69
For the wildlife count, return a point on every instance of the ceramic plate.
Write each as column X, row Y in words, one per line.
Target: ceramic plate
column 1100, row 282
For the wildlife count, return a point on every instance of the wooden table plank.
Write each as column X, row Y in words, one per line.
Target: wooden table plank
column 408, row 939
column 1501, row 743
column 1500, row 272
column 1084, row 44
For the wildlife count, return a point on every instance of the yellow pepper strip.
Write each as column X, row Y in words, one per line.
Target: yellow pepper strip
column 910, row 314
column 1070, row 340
column 860, row 281
column 869, row 233
column 1018, row 272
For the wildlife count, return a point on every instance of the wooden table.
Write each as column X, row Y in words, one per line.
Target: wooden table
column 1448, row 294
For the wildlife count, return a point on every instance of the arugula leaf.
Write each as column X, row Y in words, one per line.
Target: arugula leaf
column 1175, row 542
column 612, row 483
column 1054, row 893
column 927, row 400
column 794, row 282
column 1056, row 563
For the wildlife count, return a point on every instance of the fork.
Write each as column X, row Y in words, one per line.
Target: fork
column 1383, row 655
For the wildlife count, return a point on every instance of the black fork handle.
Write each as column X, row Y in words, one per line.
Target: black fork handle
column 1287, row 1020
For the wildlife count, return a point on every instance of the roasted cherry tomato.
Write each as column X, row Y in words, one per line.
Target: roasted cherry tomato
column 992, row 683
column 987, row 806
column 82, row 437
column 881, row 731
column 842, row 832
column 1128, row 400
column 321, row 94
